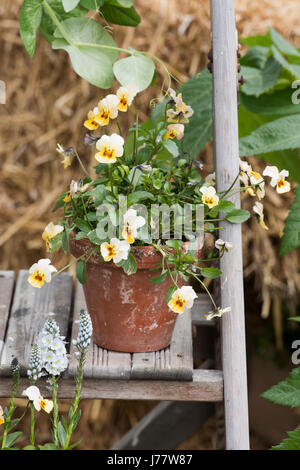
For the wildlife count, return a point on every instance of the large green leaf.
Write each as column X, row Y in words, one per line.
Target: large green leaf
column 292, row 68
column 135, row 70
column 284, row 46
column 290, row 443
column 287, row 392
column 119, row 15
column 257, row 40
column 197, row 93
column 280, row 134
column 30, row 19
column 279, row 102
column 88, row 58
column 291, row 234
column 258, row 80
column 255, row 57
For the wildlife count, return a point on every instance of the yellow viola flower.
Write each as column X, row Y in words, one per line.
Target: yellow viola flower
column 67, row 197
column 90, row 123
column 209, row 196
column 258, row 209
column 2, row 420
column 66, row 154
column 278, row 179
column 181, row 299
column 107, row 109
column 115, row 250
column 40, row 272
column 132, row 222
column 175, row 130
column 125, row 96
column 33, row 394
column 110, row 148
column 51, row 231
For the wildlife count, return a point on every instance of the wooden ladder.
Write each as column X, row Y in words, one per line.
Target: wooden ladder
column 188, row 395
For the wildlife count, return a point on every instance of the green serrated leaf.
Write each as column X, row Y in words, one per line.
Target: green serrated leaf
column 30, row 19
column 136, row 70
column 290, row 443
column 284, row 46
column 287, row 392
column 255, row 57
column 258, row 80
column 278, row 103
column 89, row 59
column 81, row 271
column 291, row 233
column 293, row 69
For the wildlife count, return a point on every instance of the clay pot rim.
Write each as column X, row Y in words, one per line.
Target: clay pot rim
column 146, row 256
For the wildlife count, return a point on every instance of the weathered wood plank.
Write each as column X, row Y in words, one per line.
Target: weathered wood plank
column 172, row 363
column 167, row 425
column 226, row 158
column 29, row 312
column 100, row 363
column 7, row 280
column 202, row 305
column 207, row 385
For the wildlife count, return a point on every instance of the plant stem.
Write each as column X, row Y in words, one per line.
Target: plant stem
column 32, row 424
column 55, row 409
column 6, row 425
column 204, row 287
column 82, row 165
column 56, row 21
column 75, row 261
column 79, row 380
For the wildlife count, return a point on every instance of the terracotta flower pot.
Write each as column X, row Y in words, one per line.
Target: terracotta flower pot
column 129, row 313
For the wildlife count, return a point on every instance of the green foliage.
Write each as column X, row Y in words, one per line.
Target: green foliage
column 81, row 271
column 30, row 20
column 290, row 443
column 291, row 234
column 116, row 14
column 287, row 392
column 137, row 70
column 260, row 80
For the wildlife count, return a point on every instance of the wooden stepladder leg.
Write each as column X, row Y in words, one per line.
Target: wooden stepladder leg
column 226, row 160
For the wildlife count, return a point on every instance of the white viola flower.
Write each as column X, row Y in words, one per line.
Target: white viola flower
column 245, row 167
column 278, row 179
column 90, row 123
column 107, row 109
column 182, row 112
column 174, row 130
column 33, row 394
column 209, row 196
column 110, row 148
column 115, row 250
column 217, row 313
column 126, row 95
column 182, row 298
column 221, row 245
column 211, row 179
column 256, row 180
column 50, row 232
column 258, row 208
column 2, row 419
column 132, row 222
column 40, row 272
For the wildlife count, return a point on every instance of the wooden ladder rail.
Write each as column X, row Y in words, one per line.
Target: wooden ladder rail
column 226, row 162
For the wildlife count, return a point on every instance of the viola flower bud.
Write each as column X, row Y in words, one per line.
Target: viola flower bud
column 90, row 139
column 85, row 331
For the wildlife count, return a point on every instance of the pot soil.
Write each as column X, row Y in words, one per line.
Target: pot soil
column 128, row 312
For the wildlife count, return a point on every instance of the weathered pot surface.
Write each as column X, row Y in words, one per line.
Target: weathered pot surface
column 129, row 313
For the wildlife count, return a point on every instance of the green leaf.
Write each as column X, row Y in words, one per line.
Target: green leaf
column 48, row 446
column 62, row 435
column 291, row 233
column 121, row 3
column 30, row 19
column 237, row 216
column 70, row 4
column 129, row 265
column 287, row 392
column 122, row 16
column 172, row 147
column 170, row 292
column 259, row 81
column 255, row 57
column 81, row 271
column 290, row 443
column 280, row 134
column 176, row 244
column 56, row 243
column 92, row 236
column 279, row 103
column 92, row 4
column 225, row 206
column 83, row 225
column 30, row 447
column 138, row 196
column 293, row 69
column 159, row 279
column 257, row 40
column 12, row 438
column 137, row 70
column 65, row 240
column 89, row 59
column 284, row 46
column 294, row 319
column 211, row 273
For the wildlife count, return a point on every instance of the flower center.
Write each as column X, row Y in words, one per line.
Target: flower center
column 280, row 183
column 108, row 153
column 39, row 277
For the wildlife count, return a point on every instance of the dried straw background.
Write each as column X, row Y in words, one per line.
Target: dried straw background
column 46, row 104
